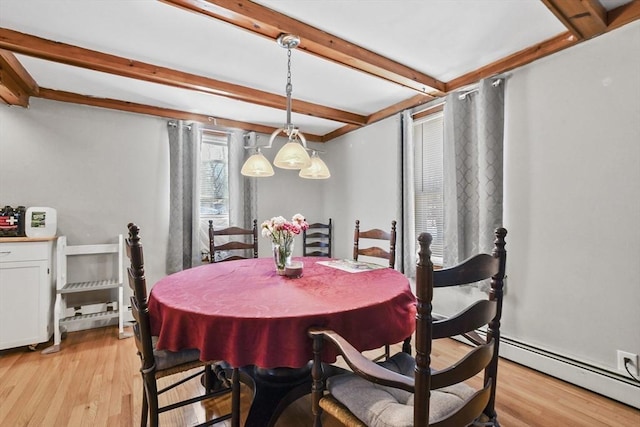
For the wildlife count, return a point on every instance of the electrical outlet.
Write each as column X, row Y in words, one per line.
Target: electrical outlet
column 633, row 365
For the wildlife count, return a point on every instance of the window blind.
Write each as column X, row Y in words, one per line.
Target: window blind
column 429, row 190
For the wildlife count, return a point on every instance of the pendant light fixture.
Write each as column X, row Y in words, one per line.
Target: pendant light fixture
column 317, row 170
column 257, row 165
column 293, row 155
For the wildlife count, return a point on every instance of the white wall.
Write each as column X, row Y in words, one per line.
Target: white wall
column 99, row 169
column 365, row 182
column 573, row 200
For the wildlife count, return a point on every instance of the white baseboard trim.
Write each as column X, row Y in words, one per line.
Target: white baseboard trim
column 575, row 372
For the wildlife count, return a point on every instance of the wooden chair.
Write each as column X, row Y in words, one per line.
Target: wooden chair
column 162, row 363
column 375, row 251
column 405, row 391
column 378, row 252
column 222, row 252
column 317, row 243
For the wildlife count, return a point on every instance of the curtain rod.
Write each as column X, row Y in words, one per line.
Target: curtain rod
column 464, row 92
column 463, row 95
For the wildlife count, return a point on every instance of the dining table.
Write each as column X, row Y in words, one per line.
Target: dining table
column 246, row 314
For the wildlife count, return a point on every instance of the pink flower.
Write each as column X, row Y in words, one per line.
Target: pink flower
column 282, row 231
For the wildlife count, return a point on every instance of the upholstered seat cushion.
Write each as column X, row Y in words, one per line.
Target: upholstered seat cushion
column 168, row 359
column 381, row 406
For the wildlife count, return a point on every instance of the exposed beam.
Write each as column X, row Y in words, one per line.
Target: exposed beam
column 73, row 55
column 131, row 107
column 16, row 84
column 414, row 101
column 583, row 18
column 400, row 106
column 623, row 15
column 270, row 24
column 515, row 60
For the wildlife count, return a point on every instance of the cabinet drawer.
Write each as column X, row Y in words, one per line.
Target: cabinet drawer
column 24, row 251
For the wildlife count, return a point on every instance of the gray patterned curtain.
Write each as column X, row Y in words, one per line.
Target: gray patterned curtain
column 183, row 146
column 473, row 151
column 243, row 202
column 408, row 242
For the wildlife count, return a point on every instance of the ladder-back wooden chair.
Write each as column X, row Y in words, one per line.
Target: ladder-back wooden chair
column 378, row 252
column 316, row 240
column 405, row 391
column 375, row 251
column 238, row 248
column 156, row 364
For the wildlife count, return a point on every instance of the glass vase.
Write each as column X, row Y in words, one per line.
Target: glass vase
column 282, row 255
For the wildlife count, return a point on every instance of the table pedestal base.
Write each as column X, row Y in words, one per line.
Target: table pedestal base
column 274, row 389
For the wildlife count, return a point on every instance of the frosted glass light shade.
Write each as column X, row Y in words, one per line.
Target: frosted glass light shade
column 292, row 156
column 317, row 170
column 257, row 165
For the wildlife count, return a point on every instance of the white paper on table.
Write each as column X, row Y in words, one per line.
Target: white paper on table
column 351, row 266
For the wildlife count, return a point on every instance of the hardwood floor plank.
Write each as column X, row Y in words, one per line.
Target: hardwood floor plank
column 95, row 381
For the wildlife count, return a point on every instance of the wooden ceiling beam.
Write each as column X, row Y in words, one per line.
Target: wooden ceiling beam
column 583, row 18
column 16, row 84
column 412, row 102
column 623, row 15
column 515, row 60
column 270, row 24
column 132, row 107
column 73, row 55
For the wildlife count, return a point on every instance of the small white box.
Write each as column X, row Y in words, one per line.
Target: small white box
column 40, row 222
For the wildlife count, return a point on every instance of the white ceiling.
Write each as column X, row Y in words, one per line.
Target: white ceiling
column 441, row 38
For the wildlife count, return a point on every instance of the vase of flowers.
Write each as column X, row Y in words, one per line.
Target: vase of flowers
column 281, row 232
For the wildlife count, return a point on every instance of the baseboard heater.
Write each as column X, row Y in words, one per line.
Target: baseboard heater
column 590, row 377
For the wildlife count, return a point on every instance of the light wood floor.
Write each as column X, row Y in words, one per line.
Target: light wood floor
column 94, row 381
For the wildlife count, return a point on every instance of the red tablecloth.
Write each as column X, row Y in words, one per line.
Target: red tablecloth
column 244, row 313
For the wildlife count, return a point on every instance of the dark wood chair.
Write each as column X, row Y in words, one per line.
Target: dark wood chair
column 404, row 390
column 378, row 252
column 316, row 240
column 157, row 364
column 375, row 251
column 228, row 251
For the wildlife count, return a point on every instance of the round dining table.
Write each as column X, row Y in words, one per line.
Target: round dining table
column 244, row 313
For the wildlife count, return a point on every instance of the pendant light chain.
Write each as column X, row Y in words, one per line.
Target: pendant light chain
column 289, row 89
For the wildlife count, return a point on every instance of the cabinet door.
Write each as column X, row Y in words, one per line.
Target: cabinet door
column 21, row 298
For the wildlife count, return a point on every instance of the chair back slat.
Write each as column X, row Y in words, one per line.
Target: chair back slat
column 473, row 362
column 473, row 317
column 229, row 246
column 472, row 270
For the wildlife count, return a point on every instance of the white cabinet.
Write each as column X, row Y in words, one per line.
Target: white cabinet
column 26, row 291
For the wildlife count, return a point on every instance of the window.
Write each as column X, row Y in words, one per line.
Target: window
column 429, row 190
column 213, row 184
